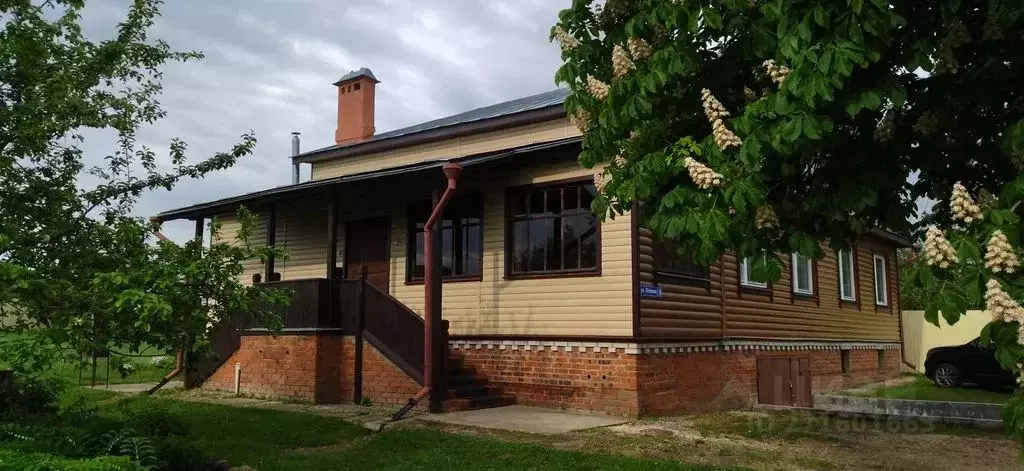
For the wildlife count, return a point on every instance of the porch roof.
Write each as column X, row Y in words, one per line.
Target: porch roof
column 220, row 206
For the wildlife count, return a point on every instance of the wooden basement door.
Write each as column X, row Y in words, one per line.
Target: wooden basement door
column 784, row 381
column 367, row 244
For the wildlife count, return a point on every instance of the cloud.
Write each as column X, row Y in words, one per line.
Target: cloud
column 269, row 66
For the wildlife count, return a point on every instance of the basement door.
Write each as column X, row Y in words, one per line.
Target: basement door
column 784, row 381
column 366, row 245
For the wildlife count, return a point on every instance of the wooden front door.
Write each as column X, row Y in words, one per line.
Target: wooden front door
column 784, row 381
column 367, row 245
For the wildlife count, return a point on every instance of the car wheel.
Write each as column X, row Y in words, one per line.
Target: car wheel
column 946, row 375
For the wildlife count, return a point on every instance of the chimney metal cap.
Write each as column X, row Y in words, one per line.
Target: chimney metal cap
column 355, row 74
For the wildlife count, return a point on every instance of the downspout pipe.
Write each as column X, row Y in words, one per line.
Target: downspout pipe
column 179, row 366
column 452, row 171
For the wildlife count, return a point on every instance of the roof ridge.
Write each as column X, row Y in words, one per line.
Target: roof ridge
column 546, row 99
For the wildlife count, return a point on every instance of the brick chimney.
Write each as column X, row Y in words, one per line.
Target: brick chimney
column 355, row 106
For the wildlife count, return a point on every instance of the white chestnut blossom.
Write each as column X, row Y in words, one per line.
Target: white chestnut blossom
column 999, row 254
column 620, row 161
column 777, row 73
column 937, row 250
column 724, row 137
column 568, row 41
column 765, row 217
column 638, row 48
column 712, row 107
column 963, row 206
column 600, row 182
column 597, row 88
column 580, row 119
column 621, row 63
column 1000, row 304
column 702, row 175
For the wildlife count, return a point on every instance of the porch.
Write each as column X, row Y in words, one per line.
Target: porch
column 355, row 289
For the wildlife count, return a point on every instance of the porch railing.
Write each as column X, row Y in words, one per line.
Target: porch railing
column 309, row 307
column 354, row 307
column 395, row 330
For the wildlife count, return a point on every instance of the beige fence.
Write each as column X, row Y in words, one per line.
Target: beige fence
column 920, row 335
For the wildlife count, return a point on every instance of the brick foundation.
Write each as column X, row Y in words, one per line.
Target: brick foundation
column 630, row 379
column 312, row 368
column 618, row 379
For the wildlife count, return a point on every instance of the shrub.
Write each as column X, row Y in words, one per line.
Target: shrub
column 126, row 367
column 12, row 460
column 23, row 396
column 161, row 362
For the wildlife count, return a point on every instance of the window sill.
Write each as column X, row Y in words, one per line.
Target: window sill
column 546, row 275
column 805, row 296
column 847, row 304
column 680, row 279
column 755, row 289
column 455, row 279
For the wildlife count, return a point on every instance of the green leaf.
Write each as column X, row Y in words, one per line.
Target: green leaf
column 791, row 131
column 820, row 15
column 712, row 18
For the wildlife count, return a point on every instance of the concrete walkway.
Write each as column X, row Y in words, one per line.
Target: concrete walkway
column 525, row 419
column 136, row 388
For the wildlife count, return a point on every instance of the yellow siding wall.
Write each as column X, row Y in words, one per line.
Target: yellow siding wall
column 599, row 305
column 595, row 306
column 448, row 149
column 920, row 335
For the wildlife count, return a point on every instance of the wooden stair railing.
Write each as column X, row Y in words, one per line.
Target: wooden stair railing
column 395, row 331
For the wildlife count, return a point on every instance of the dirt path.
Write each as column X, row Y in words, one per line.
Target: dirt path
column 780, row 442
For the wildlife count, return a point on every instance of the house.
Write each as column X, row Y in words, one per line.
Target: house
column 542, row 303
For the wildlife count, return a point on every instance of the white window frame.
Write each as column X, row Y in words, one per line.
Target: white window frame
column 885, row 280
column 846, row 257
column 745, row 275
column 809, row 291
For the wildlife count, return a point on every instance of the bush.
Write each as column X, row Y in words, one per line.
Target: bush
column 23, row 396
column 125, row 367
column 12, row 460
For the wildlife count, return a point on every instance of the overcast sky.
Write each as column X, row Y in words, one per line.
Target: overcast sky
column 270, row 64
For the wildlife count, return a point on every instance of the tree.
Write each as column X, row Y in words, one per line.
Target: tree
column 768, row 126
column 77, row 269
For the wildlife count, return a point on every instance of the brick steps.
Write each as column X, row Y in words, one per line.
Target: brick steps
column 468, row 390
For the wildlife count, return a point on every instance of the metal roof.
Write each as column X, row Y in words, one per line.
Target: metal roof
column 520, row 105
column 219, row 206
column 363, row 72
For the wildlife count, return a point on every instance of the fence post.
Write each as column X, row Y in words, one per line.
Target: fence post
column 357, row 381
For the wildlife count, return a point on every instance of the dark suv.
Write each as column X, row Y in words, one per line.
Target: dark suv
column 971, row 362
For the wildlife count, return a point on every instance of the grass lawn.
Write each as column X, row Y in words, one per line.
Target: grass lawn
column 282, row 440
column 924, row 389
column 67, row 369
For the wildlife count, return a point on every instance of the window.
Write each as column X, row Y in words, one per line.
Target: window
column 460, row 234
column 881, row 359
column 669, row 261
column 881, row 282
column 844, row 361
column 551, row 230
column 846, row 276
column 803, row 275
column 745, row 276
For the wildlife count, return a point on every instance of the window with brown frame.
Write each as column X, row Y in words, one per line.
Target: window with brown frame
column 671, row 263
column 461, row 234
column 551, row 230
